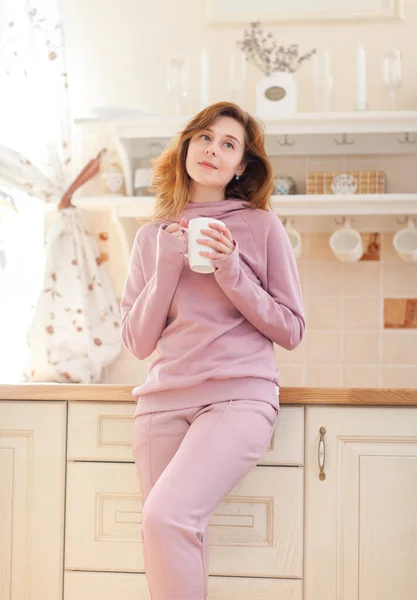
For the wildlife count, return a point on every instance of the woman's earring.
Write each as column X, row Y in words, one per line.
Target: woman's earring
column 237, row 177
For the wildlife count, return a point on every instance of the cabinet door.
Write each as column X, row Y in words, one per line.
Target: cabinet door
column 32, row 492
column 360, row 520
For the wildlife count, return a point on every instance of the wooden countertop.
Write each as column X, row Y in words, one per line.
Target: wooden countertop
column 122, row 393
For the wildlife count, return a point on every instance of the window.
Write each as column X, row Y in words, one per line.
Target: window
column 22, row 239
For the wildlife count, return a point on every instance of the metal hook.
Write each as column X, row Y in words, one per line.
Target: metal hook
column 344, row 221
column 285, row 142
column 407, row 140
column 405, row 220
column 287, row 221
column 344, row 142
column 402, row 220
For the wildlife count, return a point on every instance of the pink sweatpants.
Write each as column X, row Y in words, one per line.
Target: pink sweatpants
column 187, row 461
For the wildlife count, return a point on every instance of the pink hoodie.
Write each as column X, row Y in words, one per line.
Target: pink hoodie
column 213, row 333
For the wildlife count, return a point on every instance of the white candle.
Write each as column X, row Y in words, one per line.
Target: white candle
column 361, row 78
column 204, row 79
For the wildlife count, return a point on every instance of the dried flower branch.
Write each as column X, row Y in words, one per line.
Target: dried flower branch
column 262, row 51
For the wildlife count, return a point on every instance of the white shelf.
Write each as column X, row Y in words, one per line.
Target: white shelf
column 294, row 205
column 296, row 124
column 300, row 134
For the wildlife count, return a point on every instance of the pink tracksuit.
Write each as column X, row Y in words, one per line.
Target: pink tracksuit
column 207, row 410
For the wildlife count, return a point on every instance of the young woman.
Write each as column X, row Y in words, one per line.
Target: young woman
column 206, row 413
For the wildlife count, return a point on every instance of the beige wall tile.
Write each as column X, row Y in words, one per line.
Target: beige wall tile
column 324, row 313
column 283, row 356
column 292, row 376
column 303, row 274
column 400, row 280
column 362, row 279
column 399, row 347
column 389, row 254
column 361, row 348
column 324, row 375
column 325, row 279
column 324, row 347
column 361, row 376
column 401, row 377
column 318, row 248
column 362, row 313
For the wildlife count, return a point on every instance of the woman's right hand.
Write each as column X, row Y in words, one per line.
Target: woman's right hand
column 175, row 230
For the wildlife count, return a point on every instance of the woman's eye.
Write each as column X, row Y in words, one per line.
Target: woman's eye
column 205, row 136
column 230, row 145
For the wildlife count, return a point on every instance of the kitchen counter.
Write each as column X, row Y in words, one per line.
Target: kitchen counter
column 294, row 395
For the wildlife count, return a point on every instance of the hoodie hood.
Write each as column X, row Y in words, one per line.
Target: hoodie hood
column 217, row 210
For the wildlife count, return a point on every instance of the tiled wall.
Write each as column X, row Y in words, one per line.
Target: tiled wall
column 357, row 334
column 361, row 317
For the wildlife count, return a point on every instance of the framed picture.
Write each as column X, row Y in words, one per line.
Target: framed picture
column 242, row 12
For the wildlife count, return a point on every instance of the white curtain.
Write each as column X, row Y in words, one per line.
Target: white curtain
column 75, row 329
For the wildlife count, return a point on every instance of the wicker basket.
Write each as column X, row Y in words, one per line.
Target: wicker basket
column 369, row 182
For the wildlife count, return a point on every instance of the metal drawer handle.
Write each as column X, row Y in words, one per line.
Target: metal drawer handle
column 322, row 454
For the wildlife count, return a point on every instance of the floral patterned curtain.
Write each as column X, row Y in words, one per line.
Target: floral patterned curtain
column 75, row 330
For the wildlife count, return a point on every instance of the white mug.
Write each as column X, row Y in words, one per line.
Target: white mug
column 346, row 244
column 296, row 241
column 405, row 243
column 198, row 263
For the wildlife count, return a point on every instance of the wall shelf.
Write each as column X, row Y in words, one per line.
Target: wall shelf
column 294, row 205
column 298, row 124
column 301, row 134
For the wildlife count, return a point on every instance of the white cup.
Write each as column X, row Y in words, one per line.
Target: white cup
column 405, row 243
column 296, row 241
column 198, row 263
column 346, row 244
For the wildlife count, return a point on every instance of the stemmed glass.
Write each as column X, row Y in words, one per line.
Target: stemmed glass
column 392, row 73
column 177, row 81
column 237, row 76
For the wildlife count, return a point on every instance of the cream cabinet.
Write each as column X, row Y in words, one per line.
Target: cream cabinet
column 256, row 534
column 32, row 495
column 361, row 513
column 339, row 524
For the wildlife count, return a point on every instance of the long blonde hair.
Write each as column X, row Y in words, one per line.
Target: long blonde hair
column 171, row 182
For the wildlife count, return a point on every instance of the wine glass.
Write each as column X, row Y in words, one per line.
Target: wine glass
column 237, row 76
column 392, row 73
column 177, row 81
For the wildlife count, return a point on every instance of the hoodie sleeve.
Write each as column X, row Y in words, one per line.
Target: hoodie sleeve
column 145, row 304
column 276, row 311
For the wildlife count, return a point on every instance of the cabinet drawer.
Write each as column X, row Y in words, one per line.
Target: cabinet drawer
column 103, row 431
column 100, row 431
column 257, row 530
column 125, row 586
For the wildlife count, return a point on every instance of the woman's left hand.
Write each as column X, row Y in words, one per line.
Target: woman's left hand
column 221, row 242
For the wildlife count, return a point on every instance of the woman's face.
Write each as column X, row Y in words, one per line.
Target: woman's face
column 215, row 155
